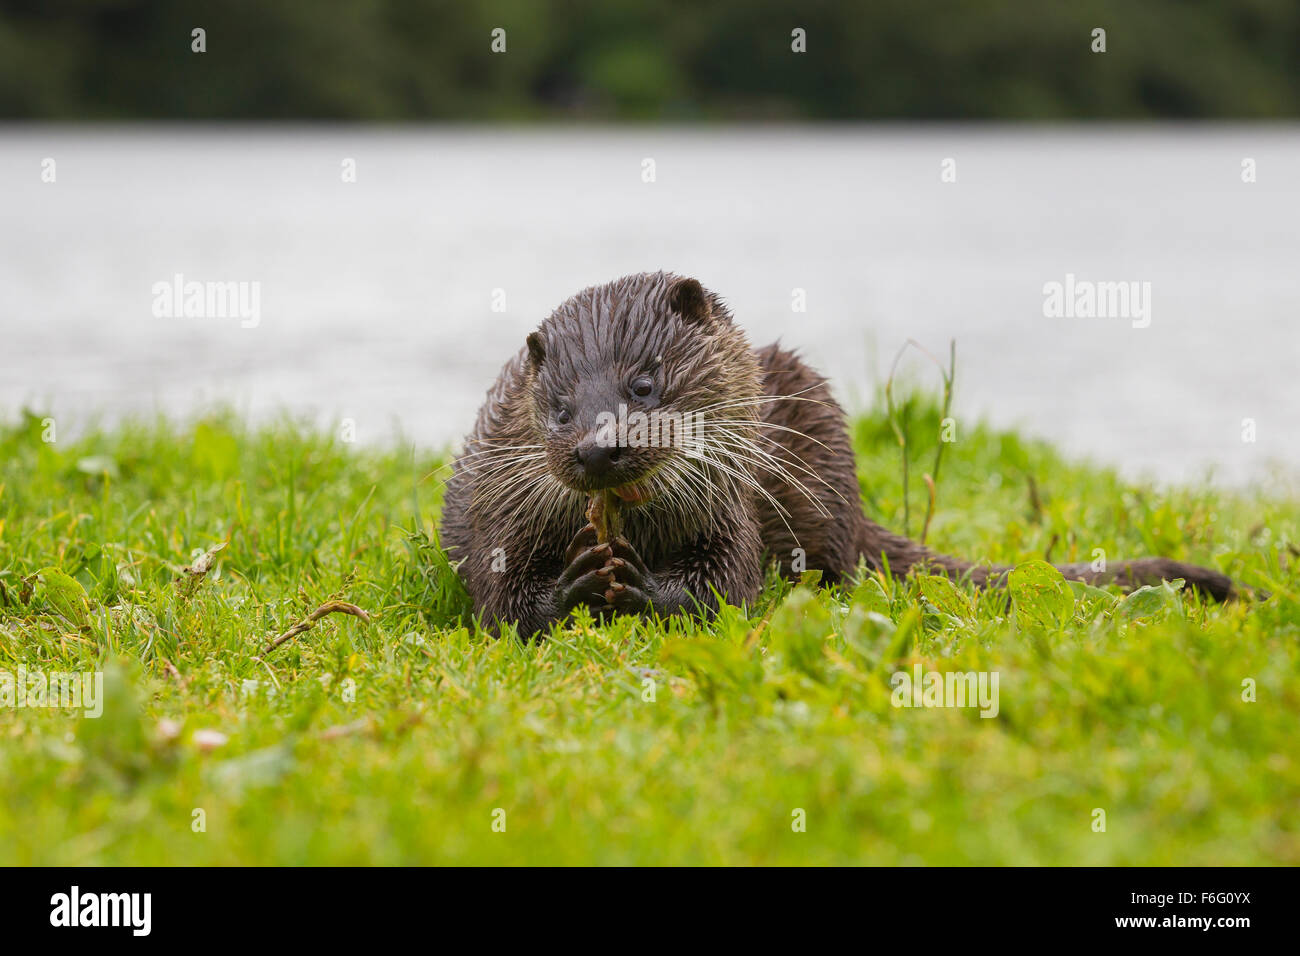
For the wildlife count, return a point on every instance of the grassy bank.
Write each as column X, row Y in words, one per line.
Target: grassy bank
column 404, row 739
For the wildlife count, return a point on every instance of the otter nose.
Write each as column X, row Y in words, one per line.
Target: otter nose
column 596, row 459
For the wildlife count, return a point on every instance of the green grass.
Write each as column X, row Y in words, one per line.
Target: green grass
column 395, row 741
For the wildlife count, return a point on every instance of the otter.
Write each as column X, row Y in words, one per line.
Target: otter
column 751, row 461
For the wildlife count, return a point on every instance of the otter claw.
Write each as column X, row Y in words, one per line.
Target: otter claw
column 623, row 551
column 627, row 572
column 584, row 540
column 628, row 600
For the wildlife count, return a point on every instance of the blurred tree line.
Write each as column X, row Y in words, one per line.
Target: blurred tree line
column 648, row 59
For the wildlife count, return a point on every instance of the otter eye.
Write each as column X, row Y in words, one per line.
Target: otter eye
column 563, row 416
column 642, row 386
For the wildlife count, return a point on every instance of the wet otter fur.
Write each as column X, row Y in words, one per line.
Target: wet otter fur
column 766, row 468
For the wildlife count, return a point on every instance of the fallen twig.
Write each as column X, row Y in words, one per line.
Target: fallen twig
column 307, row 623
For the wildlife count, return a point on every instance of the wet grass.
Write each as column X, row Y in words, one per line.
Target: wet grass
column 769, row 735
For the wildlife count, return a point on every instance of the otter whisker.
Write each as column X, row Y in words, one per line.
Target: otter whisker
column 465, row 454
column 743, row 452
column 481, row 470
column 799, row 458
column 745, row 479
column 763, row 426
column 530, row 478
column 485, row 466
column 467, row 459
column 763, row 399
column 738, row 455
column 516, row 471
column 747, row 444
column 547, row 485
column 694, row 490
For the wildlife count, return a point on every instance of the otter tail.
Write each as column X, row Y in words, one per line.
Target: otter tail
column 878, row 546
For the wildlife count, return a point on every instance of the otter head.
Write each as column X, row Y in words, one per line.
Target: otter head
column 640, row 384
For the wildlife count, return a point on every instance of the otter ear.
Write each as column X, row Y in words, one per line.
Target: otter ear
column 687, row 298
column 536, row 348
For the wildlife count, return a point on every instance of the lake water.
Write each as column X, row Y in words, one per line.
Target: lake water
column 376, row 296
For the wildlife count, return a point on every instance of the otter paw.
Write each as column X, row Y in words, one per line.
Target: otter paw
column 627, row 565
column 584, row 540
column 626, row 599
column 586, row 579
column 609, row 578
